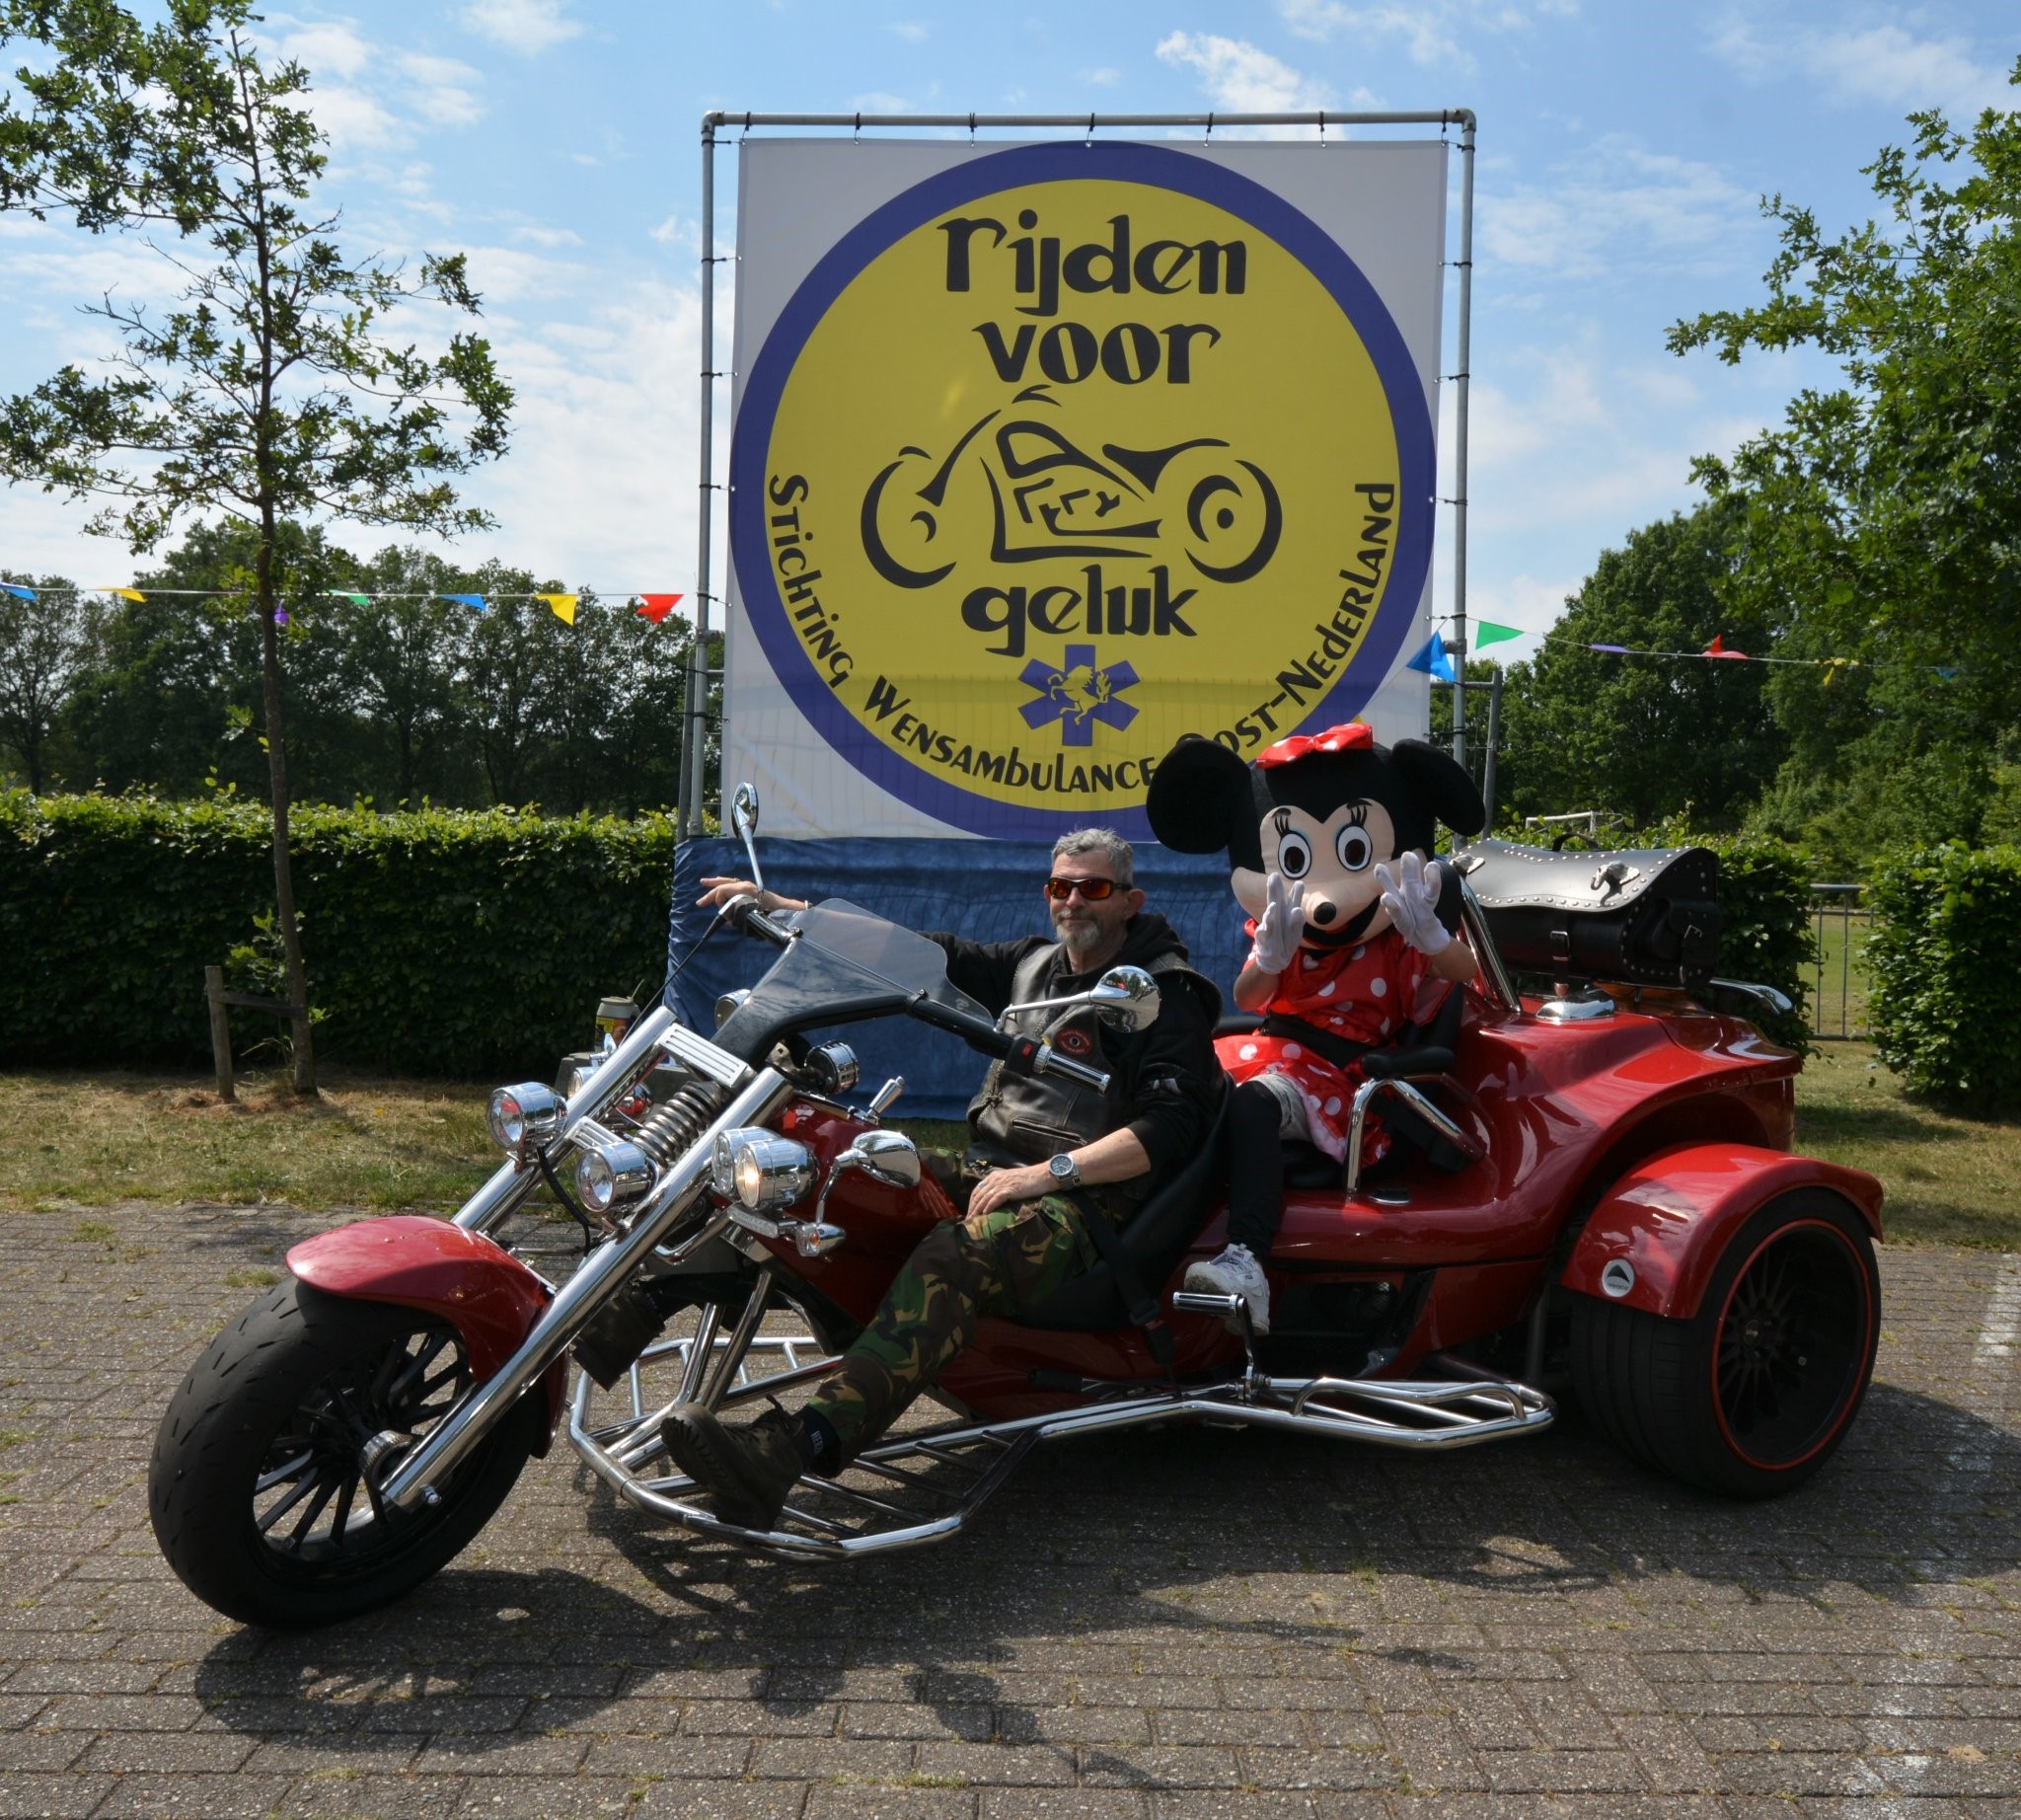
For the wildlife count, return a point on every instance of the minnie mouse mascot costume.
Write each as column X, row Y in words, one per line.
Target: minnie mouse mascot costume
column 1328, row 838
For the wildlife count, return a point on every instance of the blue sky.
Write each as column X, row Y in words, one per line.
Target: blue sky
column 1624, row 150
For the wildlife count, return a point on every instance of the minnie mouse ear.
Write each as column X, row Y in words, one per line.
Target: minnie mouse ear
column 1194, row 793
column 1441, row 783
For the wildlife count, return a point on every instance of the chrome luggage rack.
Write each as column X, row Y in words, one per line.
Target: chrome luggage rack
column 924, row 1483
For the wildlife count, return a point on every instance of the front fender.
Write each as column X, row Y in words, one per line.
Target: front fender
column 1670, row 1217
column 481, row 1289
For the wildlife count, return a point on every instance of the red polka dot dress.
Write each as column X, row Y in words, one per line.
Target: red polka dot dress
column 1359, row 994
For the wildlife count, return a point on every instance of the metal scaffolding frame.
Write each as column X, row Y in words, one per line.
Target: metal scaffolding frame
column 694, row 738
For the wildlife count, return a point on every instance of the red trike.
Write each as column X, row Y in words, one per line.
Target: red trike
column 1620, row 1209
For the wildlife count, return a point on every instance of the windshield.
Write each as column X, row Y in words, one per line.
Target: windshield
column 846, row 964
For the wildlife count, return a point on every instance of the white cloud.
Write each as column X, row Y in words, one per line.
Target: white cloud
column 528, row 27
column 548, row 236
column 879, row 101
column 910, row 29
column 600, row 479
column 1617, row 208
column 441, row 90
column 1241, row 79
column 1101, row 78
column 1430, row 32
column 1885, row 65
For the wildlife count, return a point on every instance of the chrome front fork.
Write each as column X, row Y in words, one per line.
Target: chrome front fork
column 414, row 1480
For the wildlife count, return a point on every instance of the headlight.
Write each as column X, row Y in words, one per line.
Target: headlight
column 613, row 1175
column 522, row 1119
column 760, row 1170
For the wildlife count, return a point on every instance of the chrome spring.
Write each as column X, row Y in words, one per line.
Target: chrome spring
column 672, row 1127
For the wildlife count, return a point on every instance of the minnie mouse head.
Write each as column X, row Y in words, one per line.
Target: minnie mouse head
column 1323, row 811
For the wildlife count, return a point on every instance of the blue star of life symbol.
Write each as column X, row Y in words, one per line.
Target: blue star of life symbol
column 1077, row 694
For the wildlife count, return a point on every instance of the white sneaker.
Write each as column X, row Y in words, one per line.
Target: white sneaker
column 1236, row 1273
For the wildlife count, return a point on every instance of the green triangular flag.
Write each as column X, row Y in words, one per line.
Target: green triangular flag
column 1486, row 632
column 360, row 601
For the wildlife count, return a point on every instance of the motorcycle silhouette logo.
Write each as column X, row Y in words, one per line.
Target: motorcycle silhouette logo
column 1049, row 497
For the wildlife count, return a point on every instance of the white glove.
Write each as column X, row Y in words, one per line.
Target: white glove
column 1280, row 926
column 1411, row 897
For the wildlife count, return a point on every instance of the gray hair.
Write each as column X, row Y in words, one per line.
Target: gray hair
column 1122, row 860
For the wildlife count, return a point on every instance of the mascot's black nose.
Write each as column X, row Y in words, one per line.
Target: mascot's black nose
column 1325, row 914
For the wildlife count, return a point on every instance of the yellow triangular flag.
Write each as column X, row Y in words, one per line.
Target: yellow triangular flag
column 563, row 606
column 124, row 593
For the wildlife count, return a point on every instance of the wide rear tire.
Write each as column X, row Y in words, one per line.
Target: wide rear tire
column 1753, row 1392
column 263, row 1487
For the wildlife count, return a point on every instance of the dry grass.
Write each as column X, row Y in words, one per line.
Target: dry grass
column 91, row 1139
column 76, row 1140
column 1950, row 1179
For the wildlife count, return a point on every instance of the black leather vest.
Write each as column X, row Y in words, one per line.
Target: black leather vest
column 1026, row 1118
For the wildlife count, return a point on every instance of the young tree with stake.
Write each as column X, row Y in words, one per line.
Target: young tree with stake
column 269, row 390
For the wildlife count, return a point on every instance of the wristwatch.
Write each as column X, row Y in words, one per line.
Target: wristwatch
column 1066, row 1172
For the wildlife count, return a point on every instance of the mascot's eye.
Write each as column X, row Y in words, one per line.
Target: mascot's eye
column 1294, row 856
column 1354, row 848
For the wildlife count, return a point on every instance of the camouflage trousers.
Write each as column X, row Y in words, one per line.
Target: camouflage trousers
column 993, row 1263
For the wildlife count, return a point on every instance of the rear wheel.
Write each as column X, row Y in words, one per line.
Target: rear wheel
column 1753, row 1393
column 264, row 1482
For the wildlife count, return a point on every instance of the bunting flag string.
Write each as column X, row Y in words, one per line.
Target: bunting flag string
column 1718, row 651
column 649, row 605
column 1434, row 660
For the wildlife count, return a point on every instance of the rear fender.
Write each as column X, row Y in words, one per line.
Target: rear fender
column 481, row 1289
column 1656, row 1236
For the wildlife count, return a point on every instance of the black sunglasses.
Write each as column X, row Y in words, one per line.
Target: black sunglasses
column 1092, row 890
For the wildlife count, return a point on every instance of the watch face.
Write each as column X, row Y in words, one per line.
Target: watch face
column 1064, row 1166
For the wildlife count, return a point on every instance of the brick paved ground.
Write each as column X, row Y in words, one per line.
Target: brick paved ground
column 1153, row 1626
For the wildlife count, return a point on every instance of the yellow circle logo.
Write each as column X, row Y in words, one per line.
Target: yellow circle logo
column 1066, row 452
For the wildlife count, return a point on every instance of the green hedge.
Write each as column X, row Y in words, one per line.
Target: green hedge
column 444, row 943
column 1765, row 888
column 1945, row 956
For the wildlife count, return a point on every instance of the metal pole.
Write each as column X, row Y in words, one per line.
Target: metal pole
column 1487, row 786
column 694, row 740
column 1462, row 379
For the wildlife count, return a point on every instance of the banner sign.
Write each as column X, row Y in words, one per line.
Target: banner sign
column 1057, row 451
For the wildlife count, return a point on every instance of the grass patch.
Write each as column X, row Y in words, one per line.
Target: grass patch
column 1950, row 1179
column 386, row 1144
column 100, row 1138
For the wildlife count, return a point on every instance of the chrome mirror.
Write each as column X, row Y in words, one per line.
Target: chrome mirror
column 744, row 818
column 1126, row 999
column 888, row 1157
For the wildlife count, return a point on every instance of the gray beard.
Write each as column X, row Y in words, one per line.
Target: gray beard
column 1079, row 937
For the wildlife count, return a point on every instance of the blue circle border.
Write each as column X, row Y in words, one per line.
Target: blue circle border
column 1159, row 167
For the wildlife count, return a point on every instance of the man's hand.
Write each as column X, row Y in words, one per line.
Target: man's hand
column 1000, row 1187
column 1280, row 926
column 715, row 892
column 1412, row 896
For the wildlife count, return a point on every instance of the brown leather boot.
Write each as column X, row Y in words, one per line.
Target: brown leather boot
column 747, row 1471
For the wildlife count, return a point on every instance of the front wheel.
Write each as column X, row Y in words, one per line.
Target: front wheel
column 264, row 1482
column 1753, row 1393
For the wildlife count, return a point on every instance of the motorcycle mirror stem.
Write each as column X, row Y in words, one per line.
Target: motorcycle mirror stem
column 744, row 818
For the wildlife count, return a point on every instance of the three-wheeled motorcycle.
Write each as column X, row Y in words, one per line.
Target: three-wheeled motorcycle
column 1613, row 1203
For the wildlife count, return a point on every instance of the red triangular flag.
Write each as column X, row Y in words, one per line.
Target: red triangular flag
column 1717, row 648
column 656, row 607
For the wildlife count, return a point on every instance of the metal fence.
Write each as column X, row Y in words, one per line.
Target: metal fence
column 1842, row 923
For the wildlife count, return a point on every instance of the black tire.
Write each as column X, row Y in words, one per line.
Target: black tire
column 1753, row 1394
column 259, row 1466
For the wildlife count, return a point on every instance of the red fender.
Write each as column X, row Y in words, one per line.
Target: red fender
column 486, row 1293
column 1670, row 1217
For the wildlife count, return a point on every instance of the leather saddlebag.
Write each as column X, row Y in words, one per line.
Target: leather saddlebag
column 1646, row 918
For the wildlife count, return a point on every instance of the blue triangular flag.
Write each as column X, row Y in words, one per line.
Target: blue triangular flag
column 19, row 592
column 466, row 600
column 1433, row 660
